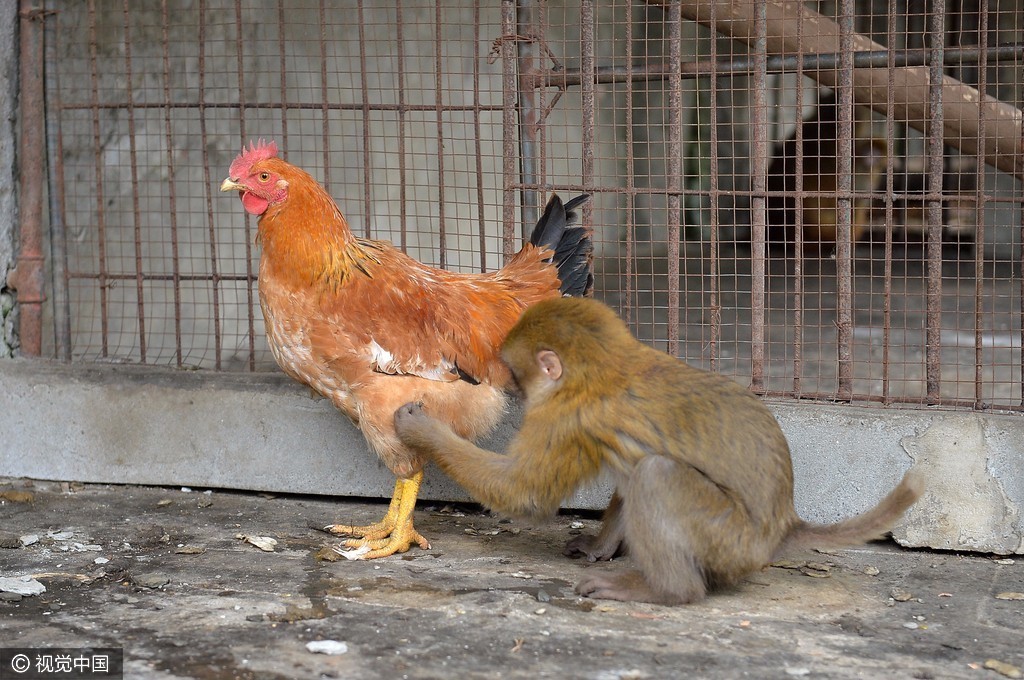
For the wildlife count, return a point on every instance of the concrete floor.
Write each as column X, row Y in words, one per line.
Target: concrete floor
column 186, row 598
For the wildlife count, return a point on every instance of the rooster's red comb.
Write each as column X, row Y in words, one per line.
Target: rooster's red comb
column 257, row 151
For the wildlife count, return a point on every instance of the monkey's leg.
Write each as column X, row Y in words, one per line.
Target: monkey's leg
column 609, row 541
column 656, row 509
column 394, row 533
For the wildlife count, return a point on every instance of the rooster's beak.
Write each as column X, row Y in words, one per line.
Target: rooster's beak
column 229, row 184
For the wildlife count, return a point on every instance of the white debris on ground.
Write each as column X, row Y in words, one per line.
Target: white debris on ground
column 327, row 647
column 21, row 585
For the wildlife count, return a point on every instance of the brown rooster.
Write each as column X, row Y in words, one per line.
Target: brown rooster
column 372, row 329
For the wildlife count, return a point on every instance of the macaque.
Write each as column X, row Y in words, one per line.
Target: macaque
column 703, row 478
column 820, row 172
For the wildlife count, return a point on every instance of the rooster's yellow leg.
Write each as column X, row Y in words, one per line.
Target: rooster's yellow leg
column 395, row 533
column 379, row 529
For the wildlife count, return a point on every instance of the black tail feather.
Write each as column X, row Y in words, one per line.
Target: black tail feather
column 558, row 231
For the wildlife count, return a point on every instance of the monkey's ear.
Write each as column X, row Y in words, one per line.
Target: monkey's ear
column 550, row 365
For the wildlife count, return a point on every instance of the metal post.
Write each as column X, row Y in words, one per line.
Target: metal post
column 55, row 176
column 758, row 228
column 529, row 114
column 844, row 204
column 27, row 276
column 936, row 158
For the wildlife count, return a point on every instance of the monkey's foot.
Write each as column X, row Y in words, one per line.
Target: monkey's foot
column 393, row 534
column 627, row 587
column 602, row 587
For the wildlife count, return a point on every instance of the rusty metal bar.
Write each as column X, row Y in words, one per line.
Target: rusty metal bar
column 675, row 173
column 798, row 231
column 759, row 172
column 844, row 205
column 607, row 75
column 171, row 189
column 714, row 308
column 261, row 105
column 55, row 194
column 85, row 276
column 527, row 32
column 587, row 65
column 979, row 215
column 794, row 63
column 27, row 277
column 936, row 157
column 442, row 236
column 208, row 186
column 629, row 286
column 101, row 222
column 510, row 179
column 889, row 190
column 250, row 276
column 133, row 163
column 403, row 190
column 478, row 151
column 325, row 134
column 364, row 93
column 282, row 51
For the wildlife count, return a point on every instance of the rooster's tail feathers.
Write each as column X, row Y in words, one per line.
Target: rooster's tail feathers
column 558, row 231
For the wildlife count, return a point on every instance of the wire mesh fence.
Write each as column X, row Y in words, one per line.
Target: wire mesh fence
column 821, row 200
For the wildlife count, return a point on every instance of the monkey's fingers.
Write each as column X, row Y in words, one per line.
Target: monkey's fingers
column 590, row 547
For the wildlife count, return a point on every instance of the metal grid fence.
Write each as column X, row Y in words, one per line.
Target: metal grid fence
column 778, row 196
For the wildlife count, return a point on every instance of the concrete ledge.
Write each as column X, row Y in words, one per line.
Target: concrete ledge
column 134, row 425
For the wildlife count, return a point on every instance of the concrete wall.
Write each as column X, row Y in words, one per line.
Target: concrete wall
column 263, row 432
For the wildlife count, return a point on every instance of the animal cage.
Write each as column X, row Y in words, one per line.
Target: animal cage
column 822, row 200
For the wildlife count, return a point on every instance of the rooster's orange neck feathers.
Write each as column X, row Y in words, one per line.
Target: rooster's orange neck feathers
column 306, row 239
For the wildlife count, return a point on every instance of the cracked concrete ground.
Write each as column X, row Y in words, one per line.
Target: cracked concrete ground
column 186, row 598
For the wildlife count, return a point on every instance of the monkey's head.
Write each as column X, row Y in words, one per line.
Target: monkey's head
column 565, row 343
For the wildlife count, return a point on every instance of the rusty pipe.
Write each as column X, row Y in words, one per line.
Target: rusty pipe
column 27, row 277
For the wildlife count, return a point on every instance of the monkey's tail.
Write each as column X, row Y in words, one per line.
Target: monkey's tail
column 868, row 526
column 558, row 231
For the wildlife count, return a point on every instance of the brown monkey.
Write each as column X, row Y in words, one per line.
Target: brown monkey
column 820, row 171
column 704, row 482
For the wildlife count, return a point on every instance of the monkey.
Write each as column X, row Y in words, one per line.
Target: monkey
column 820, row 172
column 702, row 471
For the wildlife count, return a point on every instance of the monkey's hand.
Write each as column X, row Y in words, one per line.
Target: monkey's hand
column 594, row 548
column 418, row 430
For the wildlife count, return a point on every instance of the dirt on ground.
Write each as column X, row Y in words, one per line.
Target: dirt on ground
column 188, row 584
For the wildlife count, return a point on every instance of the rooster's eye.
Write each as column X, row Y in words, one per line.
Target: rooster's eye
column 264, row 176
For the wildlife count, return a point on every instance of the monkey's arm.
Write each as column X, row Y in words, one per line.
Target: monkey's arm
column 526, row 482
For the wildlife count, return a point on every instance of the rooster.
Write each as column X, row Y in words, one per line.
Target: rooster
column 371, row 329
